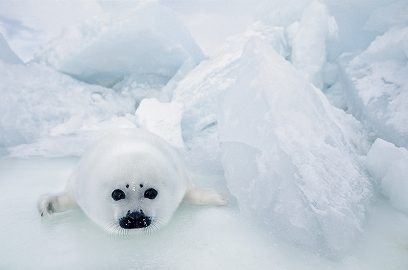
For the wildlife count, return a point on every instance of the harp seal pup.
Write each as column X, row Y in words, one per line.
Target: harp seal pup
column 131, row 179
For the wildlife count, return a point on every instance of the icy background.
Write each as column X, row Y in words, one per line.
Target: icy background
column 297, row 110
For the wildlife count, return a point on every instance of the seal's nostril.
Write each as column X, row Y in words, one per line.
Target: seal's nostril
column 134, row 220
column 143, row 222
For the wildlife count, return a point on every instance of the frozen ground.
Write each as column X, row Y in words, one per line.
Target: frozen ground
column 297, row 110
column 199, row 238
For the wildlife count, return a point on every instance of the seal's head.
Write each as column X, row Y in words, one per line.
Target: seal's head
column 135, row 188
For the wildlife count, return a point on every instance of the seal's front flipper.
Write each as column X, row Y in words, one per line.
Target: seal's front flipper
column 204, row 197
column 53, row 203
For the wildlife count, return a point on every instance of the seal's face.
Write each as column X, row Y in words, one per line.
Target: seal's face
column 135, row 219
column 140, row 200
column 132, row 191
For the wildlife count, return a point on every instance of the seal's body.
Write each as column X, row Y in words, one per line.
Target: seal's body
column 131, row 179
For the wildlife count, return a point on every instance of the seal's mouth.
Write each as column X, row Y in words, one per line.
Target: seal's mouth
column 135, row 220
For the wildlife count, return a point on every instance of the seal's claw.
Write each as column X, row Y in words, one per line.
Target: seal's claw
column 46, row 205
column 214, row 198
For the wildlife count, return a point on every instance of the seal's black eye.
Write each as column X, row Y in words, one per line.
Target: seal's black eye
column 118, row 194
column 150, row 193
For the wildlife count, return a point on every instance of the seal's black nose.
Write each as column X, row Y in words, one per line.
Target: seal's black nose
column 134, row 220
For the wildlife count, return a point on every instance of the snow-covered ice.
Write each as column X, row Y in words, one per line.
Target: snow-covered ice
column 242, row 89
column 201, row 91
column 40, row 103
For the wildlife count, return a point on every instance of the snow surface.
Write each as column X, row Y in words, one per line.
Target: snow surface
column 310, row 186
column 197, row 237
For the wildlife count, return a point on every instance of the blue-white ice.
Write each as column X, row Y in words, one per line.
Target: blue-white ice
column 6, row 53
column 388, row 164
column 145, row 48
column 295, row 109
column 272, row 115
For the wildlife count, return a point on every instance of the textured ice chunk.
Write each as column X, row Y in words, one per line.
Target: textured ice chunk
column 149, row 42
column 6, row 53
column 162, row 119
column 287, row 153
column 38, row 102
column 308, row 38
column 379, row 86
column 389, row 165
column 200, row 90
